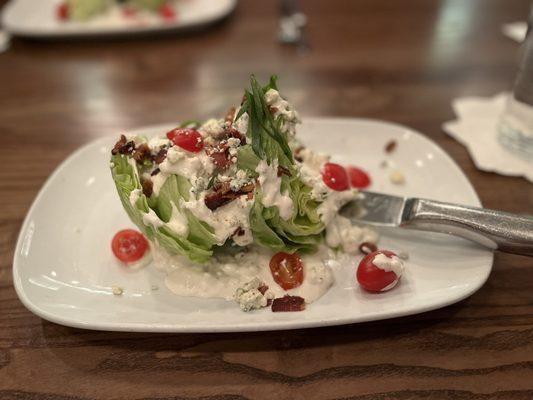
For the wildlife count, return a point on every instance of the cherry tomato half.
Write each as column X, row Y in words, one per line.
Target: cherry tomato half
column 167, row 12
column 287, row 270
column 187, row 138
column 62, row 11
column 335, row 176
column 129, row 245
column 358, row 178
column 372, row 278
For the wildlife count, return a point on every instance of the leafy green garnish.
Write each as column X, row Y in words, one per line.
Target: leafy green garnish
column 269, row 141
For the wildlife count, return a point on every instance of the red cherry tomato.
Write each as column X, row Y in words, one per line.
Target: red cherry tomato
column 335, row 176
column 167, row 12
column 287, row 270
column 187, row 138
column 372, row 278
column 129, row 245
column 358, row 178
column 62, row 11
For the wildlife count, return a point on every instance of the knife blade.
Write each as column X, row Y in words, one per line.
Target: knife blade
column 377, row 209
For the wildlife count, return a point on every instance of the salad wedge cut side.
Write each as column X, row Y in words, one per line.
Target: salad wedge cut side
column 237, row 207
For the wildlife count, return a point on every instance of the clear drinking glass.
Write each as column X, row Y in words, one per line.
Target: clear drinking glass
column 516, row 123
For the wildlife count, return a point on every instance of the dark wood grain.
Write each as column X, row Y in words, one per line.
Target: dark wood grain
column 401, row 61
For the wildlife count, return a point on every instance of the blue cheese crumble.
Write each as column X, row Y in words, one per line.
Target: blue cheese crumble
column 249, row 297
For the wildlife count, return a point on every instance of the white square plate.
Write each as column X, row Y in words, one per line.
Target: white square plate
column 64, row 270
column 37, row 18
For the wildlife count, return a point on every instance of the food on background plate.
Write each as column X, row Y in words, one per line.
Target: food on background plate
column 237, row 208
column 102, row 11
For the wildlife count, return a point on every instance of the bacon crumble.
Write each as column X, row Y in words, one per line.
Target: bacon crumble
column 160, row 156
column 288, row 304
column 123, row 146
column 148, row 187
column 222, row 194
column 142, row 153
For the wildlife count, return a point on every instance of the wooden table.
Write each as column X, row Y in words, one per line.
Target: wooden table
column 402, row 61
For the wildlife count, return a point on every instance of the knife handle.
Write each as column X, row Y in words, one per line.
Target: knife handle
column 510, row 233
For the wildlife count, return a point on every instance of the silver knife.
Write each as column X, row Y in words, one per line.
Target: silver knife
column 510, row 233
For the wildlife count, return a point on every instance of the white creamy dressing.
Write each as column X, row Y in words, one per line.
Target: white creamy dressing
column 394, row 264
column 223, row 275
column 226, row 219
column 192, row 166
column 284, row 108
column 158, row 181
column 242, row 123
column 178, row 222
column 388, row 264
column 151, row 218
column 340, row 232
column 271, row 189
column 134, row 196
column 330, row 207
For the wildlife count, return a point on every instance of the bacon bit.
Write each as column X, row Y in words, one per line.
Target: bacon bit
column 161, row 155
column 288, row 303
column 223, row 195
column 230, row 115
column 297, row 156
column 367, row 247
column 123, row 146
column 250, row 196
column 283, row 171
column 217, row 199
column 391, row 146
column 148, row 187
column 220, row 155
column 234, row 133
column 155, row 172
column 248, row 188
column 142, row 153
column 273, row 110
column 263, row 289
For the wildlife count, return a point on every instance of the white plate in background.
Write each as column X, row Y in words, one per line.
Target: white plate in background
column 64, row 270
column 37, row 18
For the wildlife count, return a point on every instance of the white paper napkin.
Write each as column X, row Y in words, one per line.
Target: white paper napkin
column 475, row 128
column 515, row 31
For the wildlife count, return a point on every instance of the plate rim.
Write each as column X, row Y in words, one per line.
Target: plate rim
column 118, row 31
column 249, row 327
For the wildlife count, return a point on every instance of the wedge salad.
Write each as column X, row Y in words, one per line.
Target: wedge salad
column 238, row 208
